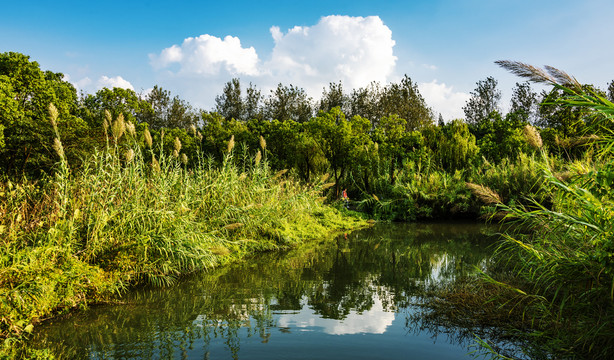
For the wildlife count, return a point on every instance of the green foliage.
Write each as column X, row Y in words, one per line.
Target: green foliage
column 483, row 102
column 25, row 93
column 126, row 218
column 563, row 267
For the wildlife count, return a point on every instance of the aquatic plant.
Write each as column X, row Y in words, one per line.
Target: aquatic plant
column 563, row 268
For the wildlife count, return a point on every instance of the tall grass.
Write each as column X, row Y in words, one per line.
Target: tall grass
column 562, row 270
column 134, row 216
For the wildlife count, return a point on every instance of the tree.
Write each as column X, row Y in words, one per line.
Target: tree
column 288, row 103
column 364, row 102
column 25, row 94
column 159, row 110
column 611, row 91
column 332, row 133
column 484, row 101
column 253, row 103
column 404, row 99
column 524, row 102
column 334, row 97
column 230, row 104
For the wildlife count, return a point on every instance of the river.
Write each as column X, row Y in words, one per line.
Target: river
column 353, row 297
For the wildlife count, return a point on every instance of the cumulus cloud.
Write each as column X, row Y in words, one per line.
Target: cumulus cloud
column 208, row 55
column 113, row 82
column 443, row 99
column 354, row 50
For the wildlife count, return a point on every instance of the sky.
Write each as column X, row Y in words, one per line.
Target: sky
column 192, row 48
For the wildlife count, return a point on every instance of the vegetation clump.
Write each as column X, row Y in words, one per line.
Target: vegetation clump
column 131, row 217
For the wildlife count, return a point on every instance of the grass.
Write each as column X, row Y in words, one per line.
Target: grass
column 135, row 216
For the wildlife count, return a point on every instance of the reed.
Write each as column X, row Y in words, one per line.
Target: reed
column 563, row 268
column 123, row 220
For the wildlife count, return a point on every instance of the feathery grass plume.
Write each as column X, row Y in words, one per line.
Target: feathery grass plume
column 177, row 144
column 199, row 136
column 280, row 173
column 108, row 120
column 258, row 157
column 376, row 146
column 148, row 139
column 526, row 71
column 324, row 177
column 175, row 153
column 130, row 128
column 53, row 115
column 549, row 76
column 262, row 143
column 119, row 127
column 327, row 186
column 129, row 155
column 485, row 194
column 155, row 165
column 193, row 129
column 184, row 159
column 563, row 176
column 219, row 250
column 532, row 136
column 562, row 78
column 233, row 226
column 231, row 144
column 242, row 177
column 57, row 146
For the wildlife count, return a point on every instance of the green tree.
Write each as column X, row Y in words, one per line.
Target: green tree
column 334, row 97
column 25, row 94
column 288, row 103
column 253, row 103
column 230, row 104
column 483, row 102
column 332, row 133
column 364, row 102
column 524, row 102
column 404, row 99
column 457, row 147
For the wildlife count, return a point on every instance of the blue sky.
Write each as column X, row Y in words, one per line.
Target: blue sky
column 444, row 46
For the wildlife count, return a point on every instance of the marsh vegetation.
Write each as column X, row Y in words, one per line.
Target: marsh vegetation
column 108, row 191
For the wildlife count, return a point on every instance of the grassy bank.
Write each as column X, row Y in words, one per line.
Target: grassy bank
column 553, row 285
column 131, row 217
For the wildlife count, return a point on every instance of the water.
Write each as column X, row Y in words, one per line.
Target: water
column 352, row 297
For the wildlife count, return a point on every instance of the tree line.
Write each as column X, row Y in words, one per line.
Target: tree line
column 357, row 135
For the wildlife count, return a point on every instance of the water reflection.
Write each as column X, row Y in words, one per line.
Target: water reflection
column 328, row 299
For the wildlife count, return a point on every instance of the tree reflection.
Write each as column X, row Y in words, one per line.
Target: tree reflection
column 390, row 265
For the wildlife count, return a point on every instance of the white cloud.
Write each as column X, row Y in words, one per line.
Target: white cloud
column 354, row 50
column 117, row 81
column 80, row 85
column 443, row 99
column 375, row 320
column 208, row 55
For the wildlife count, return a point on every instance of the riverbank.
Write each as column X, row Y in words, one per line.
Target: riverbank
column 129, row 218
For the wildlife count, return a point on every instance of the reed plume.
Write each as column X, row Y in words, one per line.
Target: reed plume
column 130, row 128
column 129, row 155
column 550, row 76
column 262, row 143
column 148, row 139
column 177, row 144
column 485, row 194
column 532, row 136
column 231, row 144
column 119, row 127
